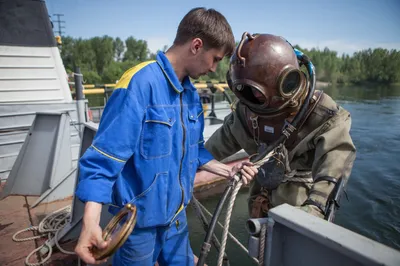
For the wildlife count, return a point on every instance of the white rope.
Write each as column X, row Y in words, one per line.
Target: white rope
column 230, row 208
column 262, row 245
column 227, row 221
column 50, row 226
column 229, row 234
column 229, row 213
column 36, row 250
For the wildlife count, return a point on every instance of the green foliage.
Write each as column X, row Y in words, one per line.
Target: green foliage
column 372, row 66
column 104, row 60
column 136, row 50
column 113, row 72
column 119, row 48
column 91, row 77
column 104, row 52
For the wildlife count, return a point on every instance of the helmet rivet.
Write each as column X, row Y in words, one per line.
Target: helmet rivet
column 293, row 102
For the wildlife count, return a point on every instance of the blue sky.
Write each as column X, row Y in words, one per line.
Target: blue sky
column 341, row 25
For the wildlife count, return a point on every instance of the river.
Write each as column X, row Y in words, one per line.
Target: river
column 373, row 209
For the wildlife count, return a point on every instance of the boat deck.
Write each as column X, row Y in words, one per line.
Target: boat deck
column 16, row 215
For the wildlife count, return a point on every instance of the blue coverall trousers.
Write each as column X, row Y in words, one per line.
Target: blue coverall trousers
column 167, row 245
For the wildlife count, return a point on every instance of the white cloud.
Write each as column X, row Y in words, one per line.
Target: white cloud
column 346, row 47
column 157, row 43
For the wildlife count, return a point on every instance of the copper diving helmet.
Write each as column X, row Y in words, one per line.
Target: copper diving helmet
column 265, row 75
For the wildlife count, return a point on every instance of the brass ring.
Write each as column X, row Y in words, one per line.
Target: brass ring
column 282, row 78
column 119, row 239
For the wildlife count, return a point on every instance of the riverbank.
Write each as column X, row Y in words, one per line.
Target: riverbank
column 322, row 84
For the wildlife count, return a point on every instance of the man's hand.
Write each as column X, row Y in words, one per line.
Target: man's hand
column 247, row 169
column 91, row 234
column 312, row 210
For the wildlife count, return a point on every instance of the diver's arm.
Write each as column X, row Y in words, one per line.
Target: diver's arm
column 334, row 157
column 222, row 143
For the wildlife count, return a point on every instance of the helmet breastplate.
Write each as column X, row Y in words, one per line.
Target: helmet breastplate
column 267, row 128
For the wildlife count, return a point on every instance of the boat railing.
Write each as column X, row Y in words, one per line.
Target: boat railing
column 210, row 93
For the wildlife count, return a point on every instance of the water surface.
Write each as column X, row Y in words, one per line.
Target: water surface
column 373, row 209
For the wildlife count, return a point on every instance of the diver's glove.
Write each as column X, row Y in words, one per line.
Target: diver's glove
column 316, row 202
column 314, row 210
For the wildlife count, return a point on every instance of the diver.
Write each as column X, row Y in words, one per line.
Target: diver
column 316, row 155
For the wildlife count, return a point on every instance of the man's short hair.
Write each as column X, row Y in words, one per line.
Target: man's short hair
column 210, row 26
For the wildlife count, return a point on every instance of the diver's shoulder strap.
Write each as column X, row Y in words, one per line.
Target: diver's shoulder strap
column 307, row 125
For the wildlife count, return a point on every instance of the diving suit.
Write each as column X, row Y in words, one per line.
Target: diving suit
column 265, row 75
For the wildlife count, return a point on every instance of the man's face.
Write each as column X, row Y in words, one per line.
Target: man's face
column 205, row 61
column 260, row 97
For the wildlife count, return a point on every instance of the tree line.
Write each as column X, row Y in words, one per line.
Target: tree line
column 367, row 66
column 104, row 59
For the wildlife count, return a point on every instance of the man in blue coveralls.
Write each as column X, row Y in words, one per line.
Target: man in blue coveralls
column 149, row 146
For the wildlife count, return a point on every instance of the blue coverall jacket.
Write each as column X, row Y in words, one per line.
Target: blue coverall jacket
column 148, row 146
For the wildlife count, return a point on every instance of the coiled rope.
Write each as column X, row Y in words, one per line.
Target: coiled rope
column 50, row 226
